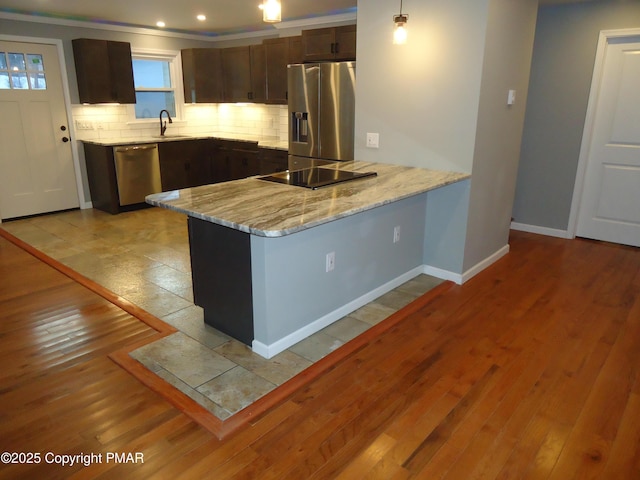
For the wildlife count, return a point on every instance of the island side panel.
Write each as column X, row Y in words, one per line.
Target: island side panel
column 221, row 273
column 446, row 230
column 291, row 287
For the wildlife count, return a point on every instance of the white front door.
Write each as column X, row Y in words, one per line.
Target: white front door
column 36, row 163
column 610, row 204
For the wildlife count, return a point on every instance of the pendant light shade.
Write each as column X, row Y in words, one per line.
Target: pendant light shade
column 271, row 11
column 400, row 30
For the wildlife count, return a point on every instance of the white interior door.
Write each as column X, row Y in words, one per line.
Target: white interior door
column 610, row 204
column 37, row 173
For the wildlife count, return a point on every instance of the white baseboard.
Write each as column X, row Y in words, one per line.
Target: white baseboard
column 268, row 351
column 442, row 274
column 550, row 232
column 478, row 267
column 461, row 278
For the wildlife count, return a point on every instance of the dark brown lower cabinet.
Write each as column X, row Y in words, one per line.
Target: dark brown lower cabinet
column 186, row 163
column 272, row 161
column 101, row 174
column 244, row 163
column 241, row 159
column 183, row 164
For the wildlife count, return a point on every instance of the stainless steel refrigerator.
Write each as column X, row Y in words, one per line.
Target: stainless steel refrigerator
column 321, row 112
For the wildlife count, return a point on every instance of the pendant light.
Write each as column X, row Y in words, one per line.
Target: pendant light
column 271, row 11
column 400, row 31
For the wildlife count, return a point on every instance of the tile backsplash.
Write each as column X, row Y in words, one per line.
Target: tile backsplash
column 94, row 122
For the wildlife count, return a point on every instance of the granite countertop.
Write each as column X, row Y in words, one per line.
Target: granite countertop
column 272, row 210
column 261, row 141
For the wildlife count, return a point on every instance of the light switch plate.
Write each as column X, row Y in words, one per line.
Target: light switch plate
column 373, row 140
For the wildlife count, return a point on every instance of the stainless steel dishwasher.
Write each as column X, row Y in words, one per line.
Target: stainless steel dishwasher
column 137, row 172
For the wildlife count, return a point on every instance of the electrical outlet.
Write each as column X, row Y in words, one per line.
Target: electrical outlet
column 330, row 261
column 373, row 140
column 396, row 234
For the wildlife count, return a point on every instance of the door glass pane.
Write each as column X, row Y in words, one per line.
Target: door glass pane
column 151, row 74
column 34, row 62
column 19, row 80
column 149, row 104
column 20, row 71
column 4, row 80
column 16, row 61
column 37, row 81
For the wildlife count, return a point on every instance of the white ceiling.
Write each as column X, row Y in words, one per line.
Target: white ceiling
column 223, row 16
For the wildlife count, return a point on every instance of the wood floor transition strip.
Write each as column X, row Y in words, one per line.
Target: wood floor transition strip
column 221, row 428
column 132, row 309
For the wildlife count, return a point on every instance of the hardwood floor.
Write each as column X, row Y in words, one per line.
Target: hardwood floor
column 529, row 370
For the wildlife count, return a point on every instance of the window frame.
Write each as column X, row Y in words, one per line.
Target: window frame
column 28, row 73
column 175, row 70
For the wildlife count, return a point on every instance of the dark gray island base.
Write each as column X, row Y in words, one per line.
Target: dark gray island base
column 259, row 249
column 221, row 277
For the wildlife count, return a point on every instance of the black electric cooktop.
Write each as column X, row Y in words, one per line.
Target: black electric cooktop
column 315, row 177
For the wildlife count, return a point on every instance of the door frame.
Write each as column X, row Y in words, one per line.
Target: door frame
column 67, row 102
column 587, row 133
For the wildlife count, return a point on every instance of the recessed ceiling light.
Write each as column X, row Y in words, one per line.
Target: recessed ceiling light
column 201, row 17
column 160, row 24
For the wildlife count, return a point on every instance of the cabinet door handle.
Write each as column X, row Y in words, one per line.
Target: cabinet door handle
column 65, row 139
column 337, row 47
column 333, row 48
column 250, row 95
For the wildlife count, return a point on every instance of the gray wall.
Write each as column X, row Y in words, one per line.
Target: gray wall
column 562, row 67
column 422, row 97
column 440, row 102
column 507, row 60
column 291, row 288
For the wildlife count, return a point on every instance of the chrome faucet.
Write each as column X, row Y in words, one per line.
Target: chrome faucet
column 163, row 126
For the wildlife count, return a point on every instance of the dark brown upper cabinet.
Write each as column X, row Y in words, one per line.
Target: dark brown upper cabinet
column 202, row 75
column 295, row 49
column 244, row 74
column 279, row 52
column 258, row 74
column 104, row 71
column 334, row 43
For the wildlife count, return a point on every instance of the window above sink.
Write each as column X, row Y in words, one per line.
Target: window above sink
column 158, row 85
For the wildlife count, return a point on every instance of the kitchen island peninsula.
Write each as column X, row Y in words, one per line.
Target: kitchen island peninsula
column 274, row 263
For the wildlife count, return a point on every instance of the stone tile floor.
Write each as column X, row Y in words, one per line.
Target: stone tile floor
column 143, row 256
